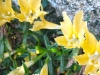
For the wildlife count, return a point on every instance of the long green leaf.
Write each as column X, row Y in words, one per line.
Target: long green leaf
column 25, row 69
column 1, row 48
column 46, row 41
column 25, row 31
column 7, row 44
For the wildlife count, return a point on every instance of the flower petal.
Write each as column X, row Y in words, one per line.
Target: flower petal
column 82, row 59
column 2, row 6
column 82, row 32
column 50, row 25
column 44, row 25
column 34, row 5
column 90, row 68
column 37, row 26
column 44, row 70
column 90, row 43
column 20, row 70
column 66, row 25
column 61, row 40
column 8, row 4
column 77, row 22
column 98, row 46
column 2, row 22
column 21, row 17
column 24, row 6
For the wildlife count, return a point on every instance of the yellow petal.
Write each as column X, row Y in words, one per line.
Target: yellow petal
column 90, row 43
column 90, row 68
column 77, row 22
column 82, row 59
column 34, row 5
column 66, row 25
column 24, row 6
column 2, row 6
column 21, row 17
column 82, row 32
column 37, row 26
column 50, row 25
column 20, row 70
column 2, row 22
column 44, row 70
column 8, row 4
column 98, row 46
column 44, row 25
column 61, row 40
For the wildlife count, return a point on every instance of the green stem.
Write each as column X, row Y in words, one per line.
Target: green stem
column 39, row 57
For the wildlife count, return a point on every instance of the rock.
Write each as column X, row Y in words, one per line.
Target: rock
column 90, row 8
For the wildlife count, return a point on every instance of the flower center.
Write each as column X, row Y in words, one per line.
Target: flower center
column 74, row 41
column 31, row 16
column 95, row 58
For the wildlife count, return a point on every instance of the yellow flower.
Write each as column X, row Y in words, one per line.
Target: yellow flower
column 20, row 70
column 44, row 25
column 44, row 70
column 6, row 12
column 73, row 33
column 91, row 58
column 30, row 10
column 91, row 66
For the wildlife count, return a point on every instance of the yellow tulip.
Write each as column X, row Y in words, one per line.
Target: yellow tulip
column 30, row 10
column 6, row 12
column 44, row 25
column 73, row 33
column 44, row 70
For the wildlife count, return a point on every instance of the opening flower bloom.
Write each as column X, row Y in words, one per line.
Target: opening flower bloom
column 30, row 10
column 44, row 24
column 91, row 56
column 6, row 12
column 73, row 33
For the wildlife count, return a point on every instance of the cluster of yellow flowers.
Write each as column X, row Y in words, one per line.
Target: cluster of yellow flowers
column 78, row 35
column 75, row 34
column 29, row 11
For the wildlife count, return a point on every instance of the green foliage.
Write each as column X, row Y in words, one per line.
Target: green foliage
column 1, row 48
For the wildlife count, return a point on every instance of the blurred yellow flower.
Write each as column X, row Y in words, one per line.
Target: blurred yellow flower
column 30, row 10
column 44, row 70
column 73, row 33
column 6, row 11
column 20, row 70
column 44, row 25
column 91, row 58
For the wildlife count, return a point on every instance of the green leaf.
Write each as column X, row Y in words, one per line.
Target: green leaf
column 74, row 52
column 77, row 67
column 62, row 64
column 25, row 31
column 7, row 44
column 50, row 67
column 1, row 48
column 35, row 37
column 25, row 69
column 46, row 41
